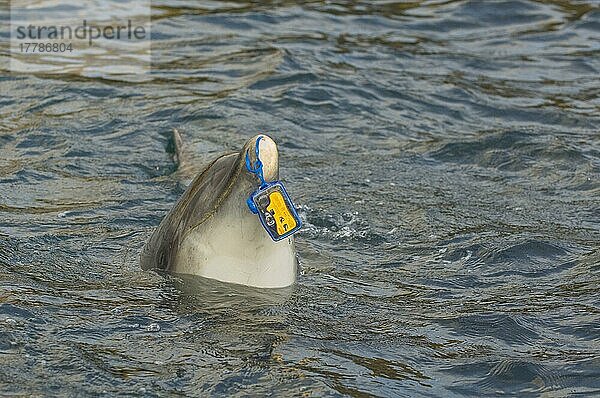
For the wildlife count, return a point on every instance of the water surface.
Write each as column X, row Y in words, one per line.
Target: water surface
column 445, row 157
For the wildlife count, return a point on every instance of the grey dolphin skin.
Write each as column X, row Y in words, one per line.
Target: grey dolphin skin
column 211, row 232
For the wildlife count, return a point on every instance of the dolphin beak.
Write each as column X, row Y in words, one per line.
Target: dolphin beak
column 266, row 149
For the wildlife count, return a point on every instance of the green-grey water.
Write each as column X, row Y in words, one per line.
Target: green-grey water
column 445, row 159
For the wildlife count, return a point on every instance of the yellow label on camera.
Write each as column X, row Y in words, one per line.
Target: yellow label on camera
column 282, row 215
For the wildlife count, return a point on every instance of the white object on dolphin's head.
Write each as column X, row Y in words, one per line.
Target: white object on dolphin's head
column 269, row 155
column 211, row 232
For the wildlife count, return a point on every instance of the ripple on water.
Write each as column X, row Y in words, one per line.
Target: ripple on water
column 514, row 376
column 513, row 151
column 496, row 329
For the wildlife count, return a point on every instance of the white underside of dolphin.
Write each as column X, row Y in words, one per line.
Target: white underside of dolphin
column 210, row 231
column 238, row 250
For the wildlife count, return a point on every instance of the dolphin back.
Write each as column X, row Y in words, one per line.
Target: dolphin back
column 200, row 200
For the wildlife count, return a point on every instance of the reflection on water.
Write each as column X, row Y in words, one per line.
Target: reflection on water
column 445, row 156
column 108, row 39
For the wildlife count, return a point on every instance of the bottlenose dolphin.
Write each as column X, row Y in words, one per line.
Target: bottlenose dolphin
column 211, row 232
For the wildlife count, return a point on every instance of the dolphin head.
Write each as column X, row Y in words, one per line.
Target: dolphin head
column 266, row 149
column 212, row 232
